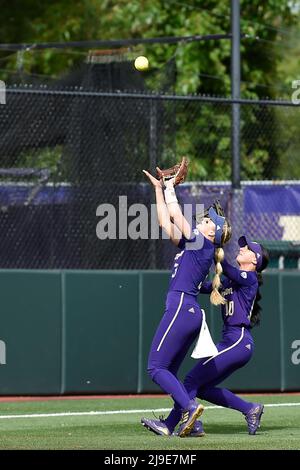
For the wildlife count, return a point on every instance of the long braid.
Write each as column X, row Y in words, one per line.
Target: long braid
column 215, row 297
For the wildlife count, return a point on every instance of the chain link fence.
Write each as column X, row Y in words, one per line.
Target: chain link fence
column 66, row 151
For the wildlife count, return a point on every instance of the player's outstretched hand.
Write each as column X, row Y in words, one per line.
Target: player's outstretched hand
column 156, row 183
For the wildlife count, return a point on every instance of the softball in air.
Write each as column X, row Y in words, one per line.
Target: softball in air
column 141, row 63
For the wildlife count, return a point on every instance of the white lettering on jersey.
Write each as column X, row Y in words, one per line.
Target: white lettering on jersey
column 178, row 255
column 176, row 264
column 229, row 308
column 244, row 275
column 227, row 291
column 175, row 269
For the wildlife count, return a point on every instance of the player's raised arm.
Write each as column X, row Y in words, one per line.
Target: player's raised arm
column 175, row 209
column 250, row 259
column 171, row 177
column 243, row 278
column 162, row 211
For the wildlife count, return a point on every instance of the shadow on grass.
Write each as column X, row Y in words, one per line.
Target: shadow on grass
column 238, row 429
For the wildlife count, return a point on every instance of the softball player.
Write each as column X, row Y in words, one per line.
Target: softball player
column 182, row 318
column 240, row 313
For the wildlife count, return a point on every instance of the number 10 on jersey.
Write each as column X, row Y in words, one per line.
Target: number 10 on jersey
column 229, row 308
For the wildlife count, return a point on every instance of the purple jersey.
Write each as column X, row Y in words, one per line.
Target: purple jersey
column 191, row 265
column 239, row 288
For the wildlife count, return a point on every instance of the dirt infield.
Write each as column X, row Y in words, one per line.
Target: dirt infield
column 4, row 399
column 72, row 397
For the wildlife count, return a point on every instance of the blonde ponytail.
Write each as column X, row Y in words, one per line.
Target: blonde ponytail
column 215, row 297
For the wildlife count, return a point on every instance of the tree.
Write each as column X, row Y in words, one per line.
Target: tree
column 198, row 67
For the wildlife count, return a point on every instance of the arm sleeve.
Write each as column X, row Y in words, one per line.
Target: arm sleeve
column 244, row 278
column 206, row 287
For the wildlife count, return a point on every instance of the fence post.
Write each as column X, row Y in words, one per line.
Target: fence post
column 152, row 165
column 235, row 91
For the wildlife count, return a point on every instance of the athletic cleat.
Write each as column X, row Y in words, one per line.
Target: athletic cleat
column 253, row 418
column 189, row 417
column 157, row 426
column 197, row 430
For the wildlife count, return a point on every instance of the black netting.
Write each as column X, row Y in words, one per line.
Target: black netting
column 65, row 151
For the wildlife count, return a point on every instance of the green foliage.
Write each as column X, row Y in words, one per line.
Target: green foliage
column 253, row 164
column 199, row 67
column 47, row 157
column 288, row 166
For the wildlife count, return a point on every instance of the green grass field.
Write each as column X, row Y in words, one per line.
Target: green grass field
column 225, row 429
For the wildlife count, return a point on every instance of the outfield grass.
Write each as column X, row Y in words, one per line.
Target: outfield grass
column 225, row 429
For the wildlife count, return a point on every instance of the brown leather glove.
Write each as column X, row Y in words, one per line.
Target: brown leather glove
column 178, row 171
